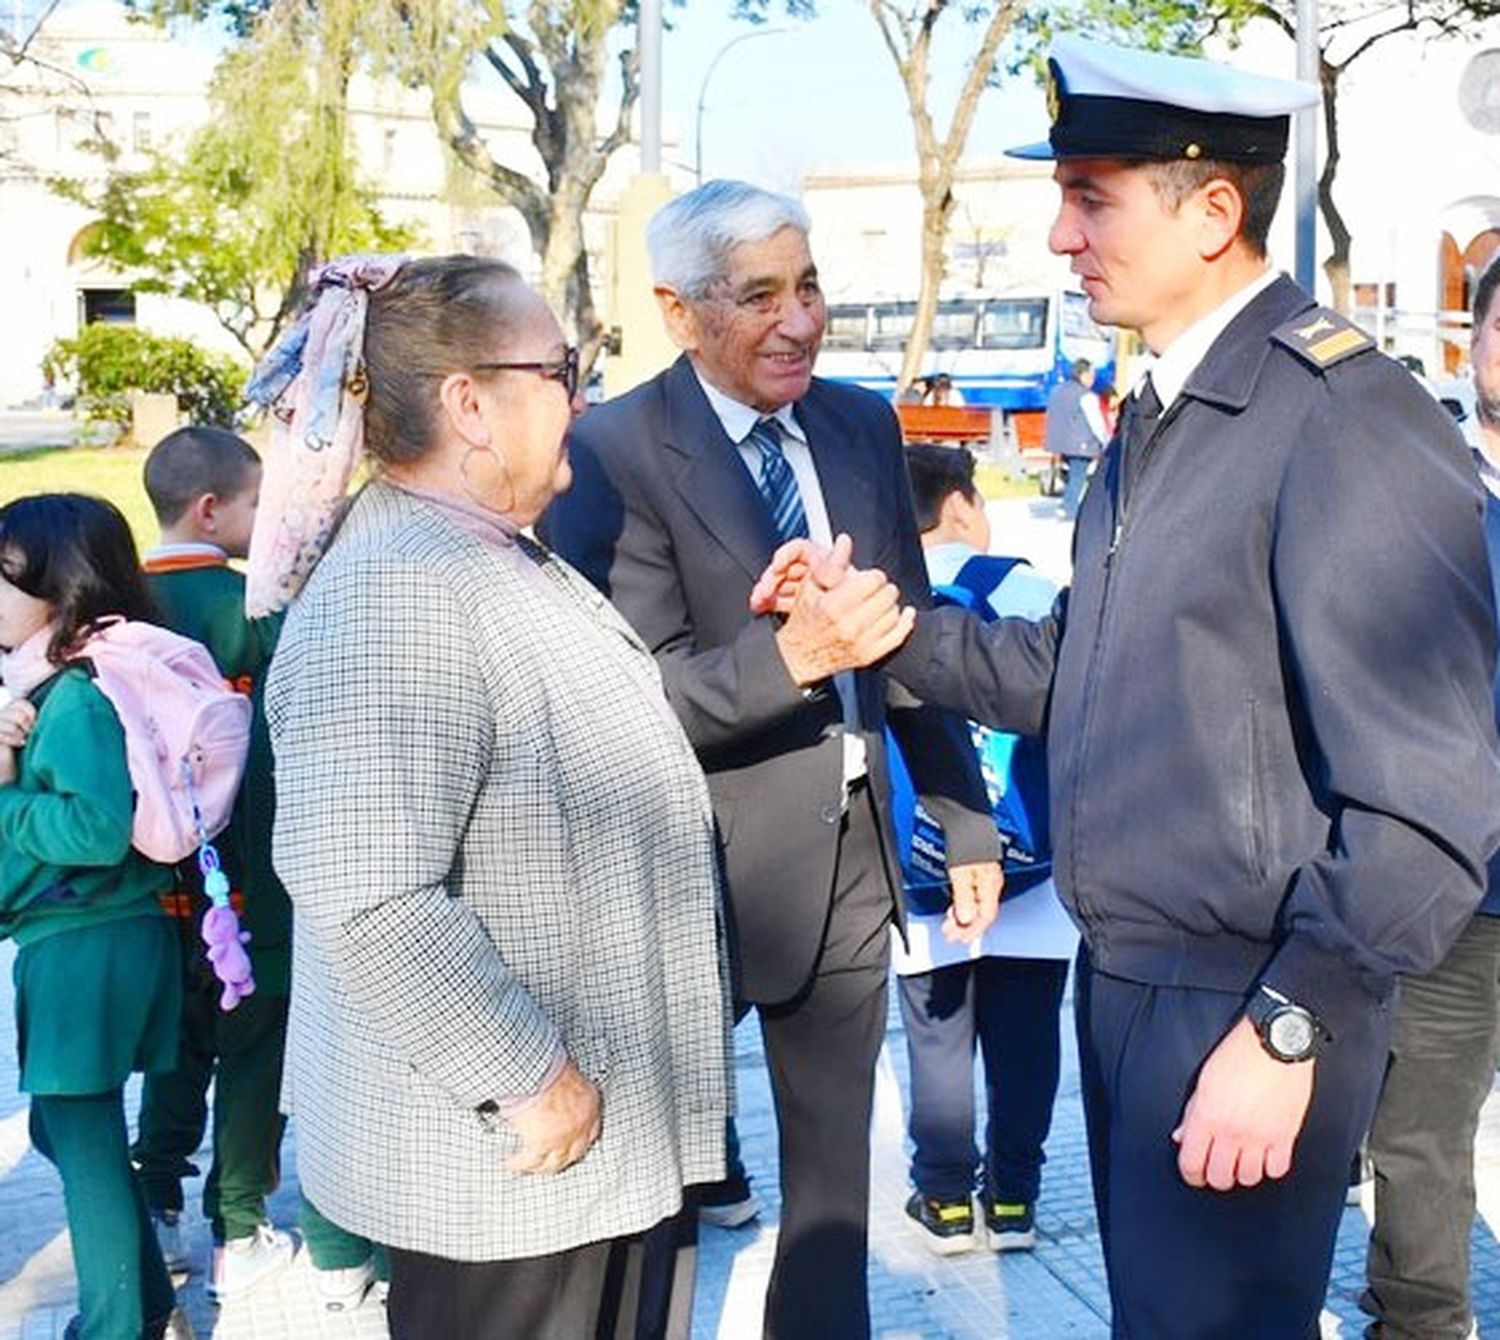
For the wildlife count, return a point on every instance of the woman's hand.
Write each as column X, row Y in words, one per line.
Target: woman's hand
column 560, row 1127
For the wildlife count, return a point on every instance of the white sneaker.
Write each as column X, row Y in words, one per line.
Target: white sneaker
column 243, row 1263
column 343, row 1290
column 382, row 1292
column 169, row 1235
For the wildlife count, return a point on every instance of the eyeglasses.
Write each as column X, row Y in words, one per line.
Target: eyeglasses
column 564, row 369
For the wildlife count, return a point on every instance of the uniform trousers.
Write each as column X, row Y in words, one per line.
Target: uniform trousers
column 1185, row 1263
column 124, row 1290
column 240, row 1051
column 1442, row 1065
column 335, row 1248
column 1009, row 1006
column 821, row 1049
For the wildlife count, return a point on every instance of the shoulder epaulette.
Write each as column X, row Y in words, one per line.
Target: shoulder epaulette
column 1322, row 338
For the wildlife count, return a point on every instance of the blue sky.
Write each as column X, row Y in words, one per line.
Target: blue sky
column 820, row 94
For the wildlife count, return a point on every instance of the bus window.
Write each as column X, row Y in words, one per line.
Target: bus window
column 1077, row 324
column 846, row 328
column 953, row 326
column 891, row 327
column 1014, row 323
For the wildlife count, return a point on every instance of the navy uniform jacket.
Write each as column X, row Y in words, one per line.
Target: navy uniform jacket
column 1273, row 753
column 664, row 518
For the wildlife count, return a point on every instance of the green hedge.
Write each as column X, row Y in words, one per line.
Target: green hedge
column 105, row 363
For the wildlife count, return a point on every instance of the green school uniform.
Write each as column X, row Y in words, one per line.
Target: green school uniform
column 97, row 972
column 201, row 597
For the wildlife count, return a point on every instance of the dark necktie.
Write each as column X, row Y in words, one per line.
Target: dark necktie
column 778, row 485
column 1137, row 424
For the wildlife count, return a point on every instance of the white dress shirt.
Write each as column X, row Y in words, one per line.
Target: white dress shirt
column 738, row 419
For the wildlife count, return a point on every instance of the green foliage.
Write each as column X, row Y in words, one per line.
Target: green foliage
column 261, row 192
column 105, row 472
column 107, row 362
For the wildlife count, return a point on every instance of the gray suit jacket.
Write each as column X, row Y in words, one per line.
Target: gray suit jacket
column 495, row 837
column 664, row 517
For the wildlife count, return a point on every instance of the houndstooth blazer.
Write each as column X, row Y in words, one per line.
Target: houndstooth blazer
column 496, row 838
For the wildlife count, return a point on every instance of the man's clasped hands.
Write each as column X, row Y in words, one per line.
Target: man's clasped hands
column 839, row 617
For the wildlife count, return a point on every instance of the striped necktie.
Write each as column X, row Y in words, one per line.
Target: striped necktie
column 778, row 484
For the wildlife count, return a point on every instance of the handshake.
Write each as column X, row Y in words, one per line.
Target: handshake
column 838, row 617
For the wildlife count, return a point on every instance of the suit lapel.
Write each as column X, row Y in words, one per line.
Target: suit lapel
column 711, row 478
column 845, row 470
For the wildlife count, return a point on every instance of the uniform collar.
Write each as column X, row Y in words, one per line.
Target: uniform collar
column 183, row 557
column 1171, row 369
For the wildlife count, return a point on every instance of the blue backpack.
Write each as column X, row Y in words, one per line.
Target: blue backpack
column 1015, row 775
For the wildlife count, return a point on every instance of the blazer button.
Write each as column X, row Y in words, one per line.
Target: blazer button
column 831, row 813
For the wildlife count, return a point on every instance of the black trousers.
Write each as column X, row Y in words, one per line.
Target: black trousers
column 1196, row 1264
column 1009, row 1007
column 1442, row 1064
column 619, row 1290
column 821, row 1049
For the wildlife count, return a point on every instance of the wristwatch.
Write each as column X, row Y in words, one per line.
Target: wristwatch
column 1288, row 1031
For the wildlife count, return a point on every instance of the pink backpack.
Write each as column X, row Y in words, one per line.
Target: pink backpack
column 187, row 734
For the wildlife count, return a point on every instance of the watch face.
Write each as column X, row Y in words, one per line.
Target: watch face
column 1291, row 1033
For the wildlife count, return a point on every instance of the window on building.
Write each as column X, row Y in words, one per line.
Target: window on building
column 111, row 306
column 388, row 150
column 140, row 132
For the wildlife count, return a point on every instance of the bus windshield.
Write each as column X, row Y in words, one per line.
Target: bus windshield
column 1014, row 323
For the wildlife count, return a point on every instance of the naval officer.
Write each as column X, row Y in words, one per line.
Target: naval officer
column 1273, row 764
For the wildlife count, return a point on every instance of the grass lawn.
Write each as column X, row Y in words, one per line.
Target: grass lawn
column 108, row 472
column 115, row 473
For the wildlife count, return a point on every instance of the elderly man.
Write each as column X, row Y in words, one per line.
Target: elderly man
column 1447, row 1032
column 1275, row 779
column 683, row 489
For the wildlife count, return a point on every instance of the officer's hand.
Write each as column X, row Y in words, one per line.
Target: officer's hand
column 854, row 625
column 1243, row 1118
column 559, row 1127
column 976, row 900
column 792, row 564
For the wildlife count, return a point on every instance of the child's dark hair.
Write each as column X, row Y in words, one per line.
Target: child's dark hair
column 936, row 471
column 193, row 461
column 76, row 553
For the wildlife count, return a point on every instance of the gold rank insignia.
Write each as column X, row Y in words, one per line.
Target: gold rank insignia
column 1054, row 92
column 1322, row 337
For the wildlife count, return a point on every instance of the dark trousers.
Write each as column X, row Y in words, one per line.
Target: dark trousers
column 247, row 1044
column 1009, row 1007
column 1442, row 1064
column 122, row 1283
column 821, row 1049
column 1199, row 1264
column 602, row 1291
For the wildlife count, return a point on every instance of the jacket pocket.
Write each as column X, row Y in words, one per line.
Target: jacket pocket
column 1255, row 796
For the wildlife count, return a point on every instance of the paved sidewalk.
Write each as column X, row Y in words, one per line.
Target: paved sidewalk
column 1053, row 1293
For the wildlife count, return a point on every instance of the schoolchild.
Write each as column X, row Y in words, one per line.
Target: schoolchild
column 97, row 977
column 203, row 484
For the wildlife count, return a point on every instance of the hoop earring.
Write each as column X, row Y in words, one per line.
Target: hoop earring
column 482, row 495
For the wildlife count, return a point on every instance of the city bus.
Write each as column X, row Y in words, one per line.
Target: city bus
column 1005, row 351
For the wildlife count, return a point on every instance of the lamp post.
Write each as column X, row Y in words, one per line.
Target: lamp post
column 703, row 91
column 1307, row 148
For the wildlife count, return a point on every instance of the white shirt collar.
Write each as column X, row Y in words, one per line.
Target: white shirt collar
column 185, row 549
column 738, row 418
column 1171, row 368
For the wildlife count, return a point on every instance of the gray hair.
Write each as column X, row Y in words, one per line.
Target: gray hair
column 690, row 239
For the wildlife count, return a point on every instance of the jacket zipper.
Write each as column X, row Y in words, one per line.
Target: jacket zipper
column 1096, row 654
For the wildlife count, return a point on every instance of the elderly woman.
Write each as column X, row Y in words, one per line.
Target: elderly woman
column 508, row 1036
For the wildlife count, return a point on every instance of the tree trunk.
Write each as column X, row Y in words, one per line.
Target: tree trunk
column 935, row 216
column 1336, row 267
